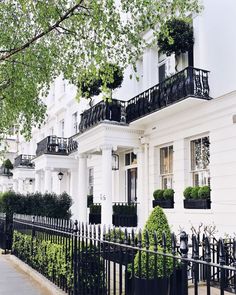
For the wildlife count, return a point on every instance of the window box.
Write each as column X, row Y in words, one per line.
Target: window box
column 95, row 214
column 197, row 204
column 163, row 203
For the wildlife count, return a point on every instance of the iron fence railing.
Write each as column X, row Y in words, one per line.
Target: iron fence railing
column 88, row 259
column 56, row 145
column 24, row 161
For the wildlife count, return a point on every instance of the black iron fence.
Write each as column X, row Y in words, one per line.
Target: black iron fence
column 85, row 259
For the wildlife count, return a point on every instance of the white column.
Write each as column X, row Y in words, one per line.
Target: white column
column 141, row 198
column 37, row 181
column 74, row 193
column 82, row 188
column 106, row 184
column 15, row 185
column 20, row 186
column 48, row 180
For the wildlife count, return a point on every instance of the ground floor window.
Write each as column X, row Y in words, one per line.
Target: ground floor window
column 166, row 166
column 200, row 160
column 90, row 181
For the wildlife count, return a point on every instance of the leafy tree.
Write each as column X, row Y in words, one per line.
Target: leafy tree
column 43, row 39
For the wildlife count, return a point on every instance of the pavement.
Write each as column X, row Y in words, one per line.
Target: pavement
column 13, row 281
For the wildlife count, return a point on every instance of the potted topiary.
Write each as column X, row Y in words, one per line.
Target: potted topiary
column 124, row 214
column 197, row 197
column 176, row 37
column 7, row 166
column 95, row 214
column 163, row 198
column 153, row 272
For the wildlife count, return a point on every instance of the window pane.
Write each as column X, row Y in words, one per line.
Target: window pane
column 164, row 160
column 133, row 158
column 196, row 154
column 127, row 159
column 171, row 159
column 205, row 152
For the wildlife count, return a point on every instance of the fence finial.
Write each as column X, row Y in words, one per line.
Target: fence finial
column 207, row 250
column 147, row 244
column 173, row 244
column 164, row 241
column 184, row 244
column 75, row 227
column 140, row 238
column 155, row 240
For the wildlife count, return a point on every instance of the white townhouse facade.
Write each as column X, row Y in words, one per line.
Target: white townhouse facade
column 168, row 130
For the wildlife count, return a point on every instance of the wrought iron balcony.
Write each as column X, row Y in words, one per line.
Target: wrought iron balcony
column 104, row 110
column 24, row 161
column 189, row 82
column 56, row 145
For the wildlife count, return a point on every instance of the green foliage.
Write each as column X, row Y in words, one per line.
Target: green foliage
column 187, row 192
column 71, row 38
column 49, row 205
column 157, row 222
column 148, row 266
column 158, row 194
column 204, row 192
column 55, row 260
column 179, row 38
column 125, row 209
column 168, row 194
column 8, row 164
column 194, row 192
column 95, row 208
column 115, row 234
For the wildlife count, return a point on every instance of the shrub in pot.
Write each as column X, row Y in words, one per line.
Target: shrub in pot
column 152, row 272
column 197, row 197
column 163, row 198
column 95, row 214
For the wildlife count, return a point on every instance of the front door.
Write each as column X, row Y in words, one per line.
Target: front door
column 132, row 184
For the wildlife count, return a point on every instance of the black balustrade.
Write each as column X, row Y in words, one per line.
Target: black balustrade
column 113, row 110
column 24, row 161
column 188, row 82
column 56, row 145
column 88, row 259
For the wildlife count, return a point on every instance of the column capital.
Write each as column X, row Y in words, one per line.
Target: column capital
column 82, row 156
column 138, row 150
column 111, row 147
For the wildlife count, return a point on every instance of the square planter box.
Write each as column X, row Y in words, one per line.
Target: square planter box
column 197, row 204
column 95, row 218
column 124, row 220
column 163, row 203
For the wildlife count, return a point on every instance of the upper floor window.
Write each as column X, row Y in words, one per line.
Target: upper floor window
column 161, row 67
column 166, row 166
column 200, row 159
column 130, row 159
column 75, row 122
column 62, row 128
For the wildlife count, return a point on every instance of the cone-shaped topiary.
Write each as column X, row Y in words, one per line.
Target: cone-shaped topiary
column 158, row 222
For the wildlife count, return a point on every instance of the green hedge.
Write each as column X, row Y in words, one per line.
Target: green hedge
column 203, row 192
column 54, row 260
column 125, row 209
column 50, row 205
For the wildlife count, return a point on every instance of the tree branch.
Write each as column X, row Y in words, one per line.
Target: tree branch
column 37, row 37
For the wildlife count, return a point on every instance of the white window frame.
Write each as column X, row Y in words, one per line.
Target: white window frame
column 203, row 173
column 170, row 175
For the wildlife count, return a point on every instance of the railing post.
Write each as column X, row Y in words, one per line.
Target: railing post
column 234, row 261
column 208, row 260
column 184, row 255
column 32, row 235
column 195, row 256
column 222, row 263
column 75, row 265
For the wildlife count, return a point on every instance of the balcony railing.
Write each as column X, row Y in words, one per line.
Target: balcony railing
column 104, row 110
column 56, row 145
column 189, row 82
column 24, row 161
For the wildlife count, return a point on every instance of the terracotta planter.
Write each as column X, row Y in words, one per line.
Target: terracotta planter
column 197, row 204
column 163, row 203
